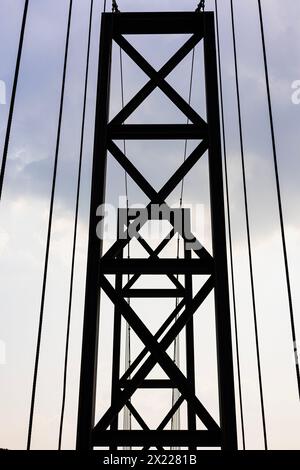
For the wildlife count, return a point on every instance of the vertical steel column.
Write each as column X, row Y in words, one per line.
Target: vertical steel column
column 222, row 310
column 115, row 385
column 190, row 344
column 88, row 375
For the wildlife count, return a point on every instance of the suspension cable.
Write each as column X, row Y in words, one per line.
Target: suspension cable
column 127, row 412
column 200, row 8
column 248, row 229
column 65, row 372
column 13, row 97
column 229, row 225
column 37, row 355
column 279, row 199
column 175, row 420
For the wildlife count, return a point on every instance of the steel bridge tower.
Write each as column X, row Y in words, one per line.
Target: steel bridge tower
column 106, row 431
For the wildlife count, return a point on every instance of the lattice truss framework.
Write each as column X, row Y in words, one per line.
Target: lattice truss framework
column 223, row 434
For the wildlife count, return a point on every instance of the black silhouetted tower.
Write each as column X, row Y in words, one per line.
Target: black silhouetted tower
column 196, row 260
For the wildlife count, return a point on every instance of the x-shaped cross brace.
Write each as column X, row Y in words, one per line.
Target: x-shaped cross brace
column 157, row 79
column 154, row 196
column 158, row 355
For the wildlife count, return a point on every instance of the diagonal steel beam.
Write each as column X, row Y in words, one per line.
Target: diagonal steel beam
column 137, row 415
column 140, row 420
column 172, row 411
column 181, row 172
column 154, row 254
column 167, row 418
column 132, row 171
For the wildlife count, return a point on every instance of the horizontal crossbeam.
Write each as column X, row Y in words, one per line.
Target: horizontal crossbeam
column 151, row 383
column 156, row 266
column 153, row 293
column 156, row 132
column 151, row 438
column 159, row 23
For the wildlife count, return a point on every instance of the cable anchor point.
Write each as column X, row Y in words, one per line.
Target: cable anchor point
column 114, row 7
column 201, row 6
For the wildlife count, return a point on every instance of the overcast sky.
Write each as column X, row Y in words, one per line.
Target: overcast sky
column 25, row 205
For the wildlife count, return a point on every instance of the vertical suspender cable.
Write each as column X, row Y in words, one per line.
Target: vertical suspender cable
column 13, row 97
column 127, row 412
column 248, row 230
column 175, row 421
column 37, row 355
column 229, row 228
column 65, row 372
column 278, row 190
